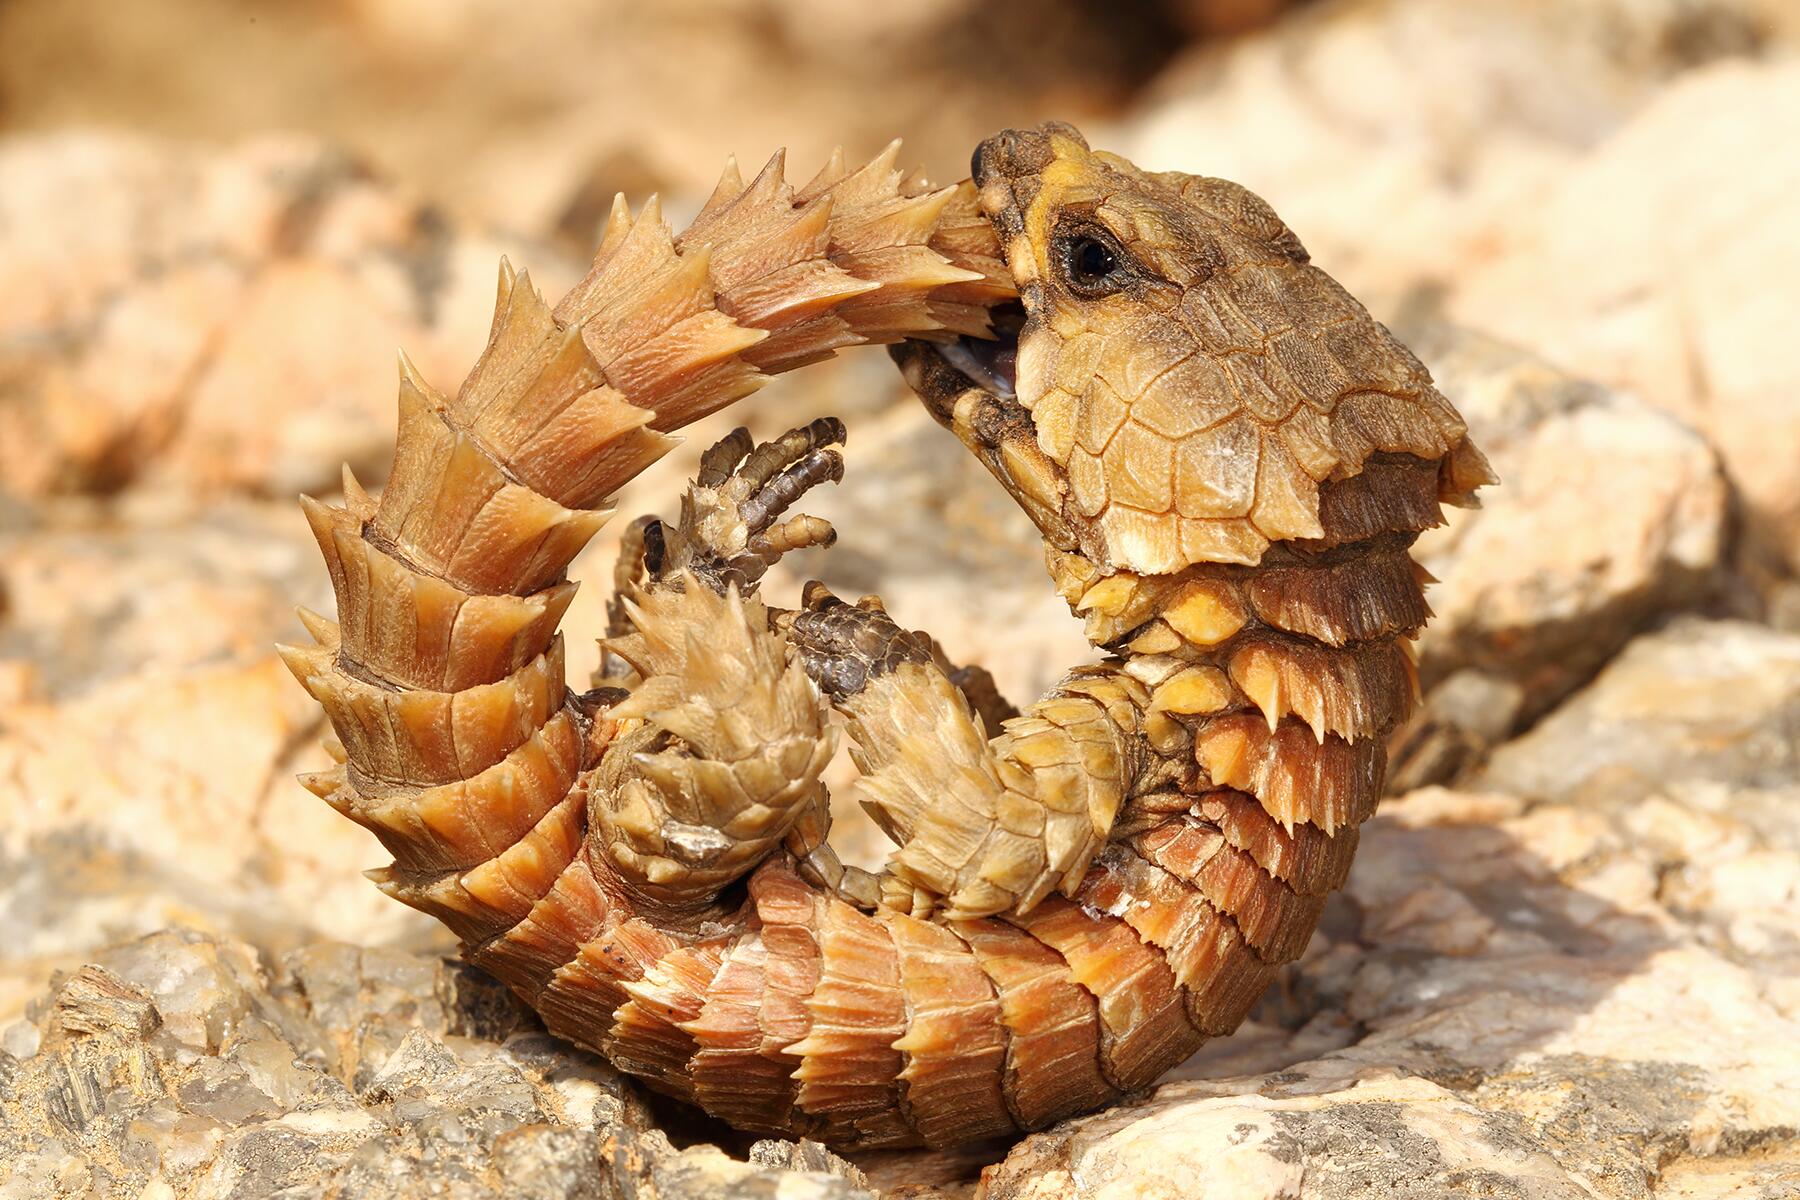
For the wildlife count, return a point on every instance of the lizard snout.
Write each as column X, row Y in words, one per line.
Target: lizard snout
column 1010, row 154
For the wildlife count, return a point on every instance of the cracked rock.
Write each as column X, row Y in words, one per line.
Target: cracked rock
column 177, row 1065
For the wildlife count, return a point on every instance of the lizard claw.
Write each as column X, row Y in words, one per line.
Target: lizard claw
column 730, row 530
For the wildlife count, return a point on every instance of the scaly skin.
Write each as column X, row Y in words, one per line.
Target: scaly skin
column 1228, row 460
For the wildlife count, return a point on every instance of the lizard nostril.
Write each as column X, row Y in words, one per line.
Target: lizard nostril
column 1010, row 154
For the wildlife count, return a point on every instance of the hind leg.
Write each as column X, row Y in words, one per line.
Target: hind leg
column 983, row 826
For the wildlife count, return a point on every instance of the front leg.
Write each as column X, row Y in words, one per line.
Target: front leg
column 715, row 754
column 982, row 826
column 727, row 535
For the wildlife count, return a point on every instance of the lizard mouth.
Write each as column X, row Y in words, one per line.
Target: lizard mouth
column 941, row 373
column 989, row 364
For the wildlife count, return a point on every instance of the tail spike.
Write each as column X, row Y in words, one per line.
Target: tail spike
column 302, row 663
column 356, row 497
column 322, row 629
column 729, row 188
column 322, row 783
column 618, row 224
column 832, row 172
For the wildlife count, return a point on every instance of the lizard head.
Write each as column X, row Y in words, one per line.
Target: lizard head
column 1178, row 382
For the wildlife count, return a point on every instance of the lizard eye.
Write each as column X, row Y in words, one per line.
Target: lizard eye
column 1092, row 265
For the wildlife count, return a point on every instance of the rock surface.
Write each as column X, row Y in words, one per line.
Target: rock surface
column 530, row 115
column 1699, row 701
column 1671, row 272
column 99, row 592
column 221, row 321
column 150, row 738
column 175, row 1065
column 1610, row 513
column 1397, row 133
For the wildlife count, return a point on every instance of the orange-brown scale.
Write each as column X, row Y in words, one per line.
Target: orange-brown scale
column 1220, row 973
column 649, row 1037
column 1143, row 1021
column 955, row 1042
column 736, row 1072
column 1051, row 1023
column 849, row 1069
column 531, row 955
column 788, row 909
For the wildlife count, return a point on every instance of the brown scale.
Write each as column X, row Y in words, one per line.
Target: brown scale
column 502, row 892
column 1050, row 1022
column 789, row 910
column 1306, row 858
column 529, row 955
column 1298, row 778
column 955, row 1043
column 1228, row 460
column 850, row 1067
column 735, row 1071
column 1143, row 1023
column 1269, row 917
column 649, row 1035
column 1220, row 971
column 1373, row 595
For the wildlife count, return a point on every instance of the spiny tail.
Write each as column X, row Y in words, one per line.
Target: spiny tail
column 458, row 743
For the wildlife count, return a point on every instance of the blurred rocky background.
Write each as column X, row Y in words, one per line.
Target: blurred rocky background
column 1568, row 961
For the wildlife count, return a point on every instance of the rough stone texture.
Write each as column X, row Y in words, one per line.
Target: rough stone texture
column 168, row 796
column 99, row 592
column 221, row 320
column 1396, row 133
column 535, row 116
column 1610, row 512
column 1701, row 700
column 1673, row 272
column 175, row 1066
column 1575, row 976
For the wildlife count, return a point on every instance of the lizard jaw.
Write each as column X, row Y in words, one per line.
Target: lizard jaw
column 991, row 365
column 989, row 420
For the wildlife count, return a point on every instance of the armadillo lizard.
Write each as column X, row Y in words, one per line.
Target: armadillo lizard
column 1228, row 460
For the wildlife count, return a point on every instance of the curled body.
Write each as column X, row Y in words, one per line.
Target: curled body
column 1228, row 461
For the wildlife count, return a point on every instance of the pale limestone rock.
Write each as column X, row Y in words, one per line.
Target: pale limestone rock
column 177, row 1065
column 1530, row 1016
column 170, row 797
column 1391, row 133
column 1326, row 1129
column 221, row 321
column 506, row 115
column 1672, row 274
column 1609, row 513
column 1700, row 701
column 100, row 592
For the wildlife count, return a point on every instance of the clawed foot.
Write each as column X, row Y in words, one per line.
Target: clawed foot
column 730, row 532
column 843, row 646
